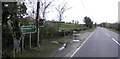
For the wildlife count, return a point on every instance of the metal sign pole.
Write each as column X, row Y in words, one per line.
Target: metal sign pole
column 30, row 41
column 23, row 42
column 38, row 38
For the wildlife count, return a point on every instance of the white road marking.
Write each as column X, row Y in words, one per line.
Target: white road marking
column 76, row 40
column 81, row 45
column 114, row 39
column 108, row 34
column 61, row 48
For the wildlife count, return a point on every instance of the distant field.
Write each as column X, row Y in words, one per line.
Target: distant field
column 66, row 26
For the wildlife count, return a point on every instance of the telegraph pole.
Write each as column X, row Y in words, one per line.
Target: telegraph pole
column 37, row 21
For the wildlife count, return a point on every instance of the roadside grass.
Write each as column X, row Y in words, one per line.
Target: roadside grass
column 64, row 39
column 65, row 26
column 44, row 50
column 114, row 30
column 47, row 47
column 88, row 30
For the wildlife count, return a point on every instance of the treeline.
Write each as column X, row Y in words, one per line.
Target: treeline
column 88, row 22
column 115, row 26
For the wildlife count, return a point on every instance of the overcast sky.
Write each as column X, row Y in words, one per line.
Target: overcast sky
column 98, row 10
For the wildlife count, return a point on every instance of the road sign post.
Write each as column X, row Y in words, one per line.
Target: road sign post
column 27, row 30
column 22, row 41
column 30, row 41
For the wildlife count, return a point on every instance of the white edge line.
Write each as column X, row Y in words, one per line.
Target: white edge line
column 81, row 45
column 115, row 41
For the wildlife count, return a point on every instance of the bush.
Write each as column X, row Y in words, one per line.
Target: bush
column 7, row 40
column 48, row 33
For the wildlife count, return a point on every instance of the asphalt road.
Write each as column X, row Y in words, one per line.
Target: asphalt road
column 99, row 44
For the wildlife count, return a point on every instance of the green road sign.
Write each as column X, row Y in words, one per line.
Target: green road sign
column 28, row 29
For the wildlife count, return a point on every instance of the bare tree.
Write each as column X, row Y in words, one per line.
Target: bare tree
column 44, row 5
column 61, row 10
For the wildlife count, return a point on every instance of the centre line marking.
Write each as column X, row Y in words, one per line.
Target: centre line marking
column 81, row 45
column 108, row 34
column 114, row 39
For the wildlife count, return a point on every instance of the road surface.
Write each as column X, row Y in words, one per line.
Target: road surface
column 101, row 43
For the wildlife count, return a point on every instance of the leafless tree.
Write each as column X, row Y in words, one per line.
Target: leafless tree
column 44, row 5
column 61, row 10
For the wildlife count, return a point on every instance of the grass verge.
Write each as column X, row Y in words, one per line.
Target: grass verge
column 65, row 26
column 114, row 30
column 47, row 47
column 42, row 51
column 88, row 30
